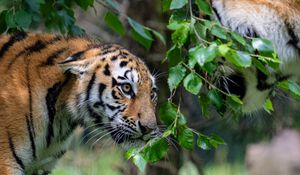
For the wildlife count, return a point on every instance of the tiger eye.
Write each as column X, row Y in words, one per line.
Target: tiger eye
column 126, row 88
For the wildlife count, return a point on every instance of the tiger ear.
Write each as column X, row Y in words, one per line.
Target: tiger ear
column 76, row 67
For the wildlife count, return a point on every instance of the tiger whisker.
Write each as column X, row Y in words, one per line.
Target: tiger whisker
column 172, row 142
column 104, row 136
column 89, row 133
column 96, row 135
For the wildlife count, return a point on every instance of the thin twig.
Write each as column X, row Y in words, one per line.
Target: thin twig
column 204, row 79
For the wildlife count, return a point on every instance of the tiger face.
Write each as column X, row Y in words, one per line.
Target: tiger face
column 114, row 91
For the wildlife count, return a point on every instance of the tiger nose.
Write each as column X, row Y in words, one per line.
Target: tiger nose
column 144, row 129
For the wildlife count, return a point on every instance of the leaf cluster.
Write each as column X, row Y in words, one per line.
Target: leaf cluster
column 202, row 46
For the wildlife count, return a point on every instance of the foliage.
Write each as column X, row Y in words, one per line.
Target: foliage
column 199, row 43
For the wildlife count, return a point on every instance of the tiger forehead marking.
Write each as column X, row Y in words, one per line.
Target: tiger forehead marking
column 52, row 84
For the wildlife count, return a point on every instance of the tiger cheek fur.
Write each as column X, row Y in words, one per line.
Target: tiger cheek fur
column 51, row 84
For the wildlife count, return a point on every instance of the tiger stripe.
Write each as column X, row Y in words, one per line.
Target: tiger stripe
column 13, row 151
column 102, row 87
column 91, row 112
column 75, row 57
column 29, row 97
column 294, row 39
column 36, row 47
column 51, row 58
column 12, row 40
column 51, row 99
column 31, row 138
column 106, row 70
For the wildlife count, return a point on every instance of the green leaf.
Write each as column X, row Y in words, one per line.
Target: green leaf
column 204, row 101
column 263, row 45
column 112, row 3
column 216, row 140
column 131, row 152
column 192, row 83
column 260, row 66
column 294, row 88
column 201, row 29
column 167, row 132
column 268, row 106
column 203, row 55
column 66, row 18
column 236, row 99
column 166, row 5
column 76, row 31
column 239, row 58
column 210, row 67
column 181, row 120
column 203, row 143
column 114, row 23
column 168, row 113
column 174, row 56
column 212, row 52
column 140, row 29
column 159, row 36
column 177, row 4
column 195, row 55
column 284, row 85
column 155, row 150
column 23, row 19
column 224, row 49
column 204, row 6
column 234, row 102
column 177, row 19
column 180, row 36
column 84, row 4
column 218, row 32
column 34, row 5
column 216, row 98
column 143, row 41
column 140, row 162
column 245, row 59
column 238, row 38
column 176, row 74
column 10, row 19
column 3, row 25
column 186, row 138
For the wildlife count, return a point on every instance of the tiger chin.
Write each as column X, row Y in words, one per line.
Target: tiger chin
column 51, row 84
column 275, row 20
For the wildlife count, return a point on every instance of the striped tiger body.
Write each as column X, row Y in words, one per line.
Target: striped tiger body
column 52, row 84
column 276, row 20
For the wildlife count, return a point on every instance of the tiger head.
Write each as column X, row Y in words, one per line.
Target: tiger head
column 115, row 91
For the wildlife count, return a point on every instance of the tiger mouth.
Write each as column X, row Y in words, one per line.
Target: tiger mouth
column 121, row 138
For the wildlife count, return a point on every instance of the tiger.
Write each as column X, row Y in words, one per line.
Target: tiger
column 50, row 84
column 275, row 20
